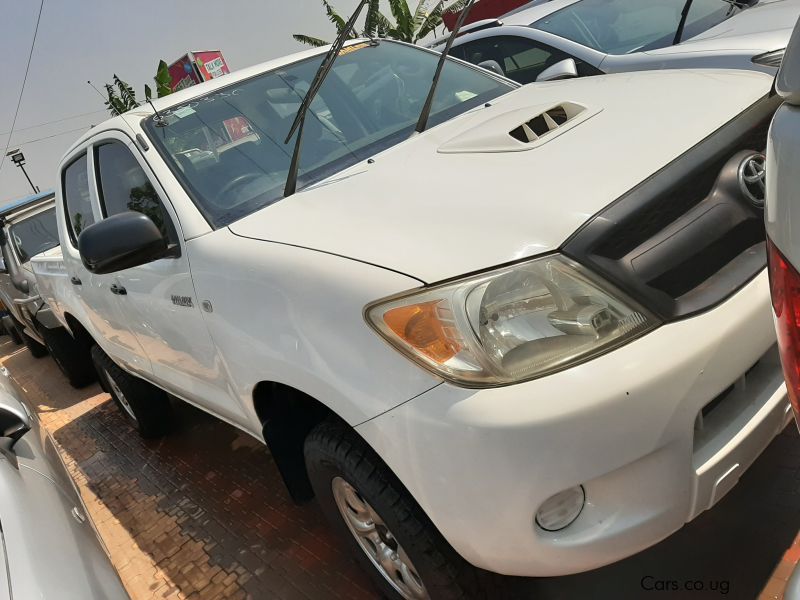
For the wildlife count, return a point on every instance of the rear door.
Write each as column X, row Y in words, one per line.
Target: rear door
column 158, row 299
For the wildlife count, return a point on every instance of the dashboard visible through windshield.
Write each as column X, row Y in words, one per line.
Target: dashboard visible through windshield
column 228, row 149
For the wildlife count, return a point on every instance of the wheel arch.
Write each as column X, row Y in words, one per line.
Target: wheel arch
column 287, row 416
column 78, row 331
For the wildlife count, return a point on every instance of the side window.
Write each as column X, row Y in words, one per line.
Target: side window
column 78, row 204
column 522, row 59
column 123, row 186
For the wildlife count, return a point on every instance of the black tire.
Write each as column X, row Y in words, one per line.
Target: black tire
column 71, row 356
column 37, row 350
column 333, row 450
column 13, row 332
column 150, row 410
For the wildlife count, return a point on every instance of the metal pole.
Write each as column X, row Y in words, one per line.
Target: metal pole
column 33, row 187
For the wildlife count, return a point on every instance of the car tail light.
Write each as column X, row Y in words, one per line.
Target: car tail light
column 784, row 281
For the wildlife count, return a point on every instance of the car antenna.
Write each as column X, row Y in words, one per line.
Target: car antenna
column 158, row 120
column 422, row 123
column 316, row 83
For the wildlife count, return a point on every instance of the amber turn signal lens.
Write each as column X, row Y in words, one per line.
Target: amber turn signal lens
column 420, row 326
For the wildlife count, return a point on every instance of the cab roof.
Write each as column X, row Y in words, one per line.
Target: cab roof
column 26, row 202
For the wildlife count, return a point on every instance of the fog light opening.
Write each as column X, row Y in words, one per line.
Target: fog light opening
column 561, row 510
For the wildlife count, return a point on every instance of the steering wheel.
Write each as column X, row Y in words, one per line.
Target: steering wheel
column 238, row 181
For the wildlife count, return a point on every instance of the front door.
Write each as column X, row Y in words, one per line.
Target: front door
column 158, row 299
column 94, row 292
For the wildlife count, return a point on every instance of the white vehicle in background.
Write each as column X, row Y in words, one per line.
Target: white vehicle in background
column 783, row 218
column 27, row 228
column 532, row 337
column 572, row 38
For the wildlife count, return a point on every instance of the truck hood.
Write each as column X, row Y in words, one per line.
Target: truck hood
column 466, row 196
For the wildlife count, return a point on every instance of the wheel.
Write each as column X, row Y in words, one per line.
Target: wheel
column 389, row 534
column 71, row 356
column 146, row 407
column 37, row 350
column 11, row 328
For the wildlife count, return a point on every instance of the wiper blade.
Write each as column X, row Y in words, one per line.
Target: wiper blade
column 422, row 123
column 319, row 78
column 682, row 23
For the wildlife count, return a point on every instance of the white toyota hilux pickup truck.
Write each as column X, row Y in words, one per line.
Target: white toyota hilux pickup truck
column 532, row 338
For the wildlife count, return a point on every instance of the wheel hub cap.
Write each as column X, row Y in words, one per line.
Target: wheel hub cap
column 377, row 542
column 120, row 396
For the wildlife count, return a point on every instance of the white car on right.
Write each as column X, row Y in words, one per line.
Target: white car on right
column 572, row 38
column 782, row 214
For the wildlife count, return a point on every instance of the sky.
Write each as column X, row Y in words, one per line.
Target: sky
column 91, row 40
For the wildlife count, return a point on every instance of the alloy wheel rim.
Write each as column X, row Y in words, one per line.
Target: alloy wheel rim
column 119, row 395
column 381, row 547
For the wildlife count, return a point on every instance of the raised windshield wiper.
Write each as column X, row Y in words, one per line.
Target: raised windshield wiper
column 300, row 118
column 740, row 4
column 422, row 123
column 682, row 23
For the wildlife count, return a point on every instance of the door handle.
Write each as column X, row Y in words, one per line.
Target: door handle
column 118, row 290
column 74, row 280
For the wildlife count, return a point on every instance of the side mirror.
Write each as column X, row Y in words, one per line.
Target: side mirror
column 492, row 65
column 564, row 69
column 14, row 420
column 126, row 240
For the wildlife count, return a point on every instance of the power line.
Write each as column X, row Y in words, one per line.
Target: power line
column 24, row 81
column 86, row 114
column 47, row 137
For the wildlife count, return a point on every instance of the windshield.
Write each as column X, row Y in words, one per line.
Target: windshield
column 35, row 234
column 228, row 150
column 625, row 26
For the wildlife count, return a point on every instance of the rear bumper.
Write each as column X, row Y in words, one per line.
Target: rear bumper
column 628, row 426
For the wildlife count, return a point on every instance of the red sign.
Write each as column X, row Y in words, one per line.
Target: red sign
column 183, row 73
column 210, row 63
column 196, row 67
column 483, row 9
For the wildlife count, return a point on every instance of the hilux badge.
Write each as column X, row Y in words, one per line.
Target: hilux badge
column 185, row 301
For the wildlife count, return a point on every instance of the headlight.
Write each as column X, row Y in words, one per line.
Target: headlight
column 511, row 324
column 770, row 59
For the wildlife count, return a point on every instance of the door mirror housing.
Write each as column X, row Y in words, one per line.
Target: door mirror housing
column 564, row 69
column 126, row 240
column 14, row 420
column 493, row 66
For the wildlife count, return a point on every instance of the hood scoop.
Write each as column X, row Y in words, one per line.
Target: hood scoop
column 519, row 130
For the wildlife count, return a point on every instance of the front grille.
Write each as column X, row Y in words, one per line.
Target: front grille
column 686, row 238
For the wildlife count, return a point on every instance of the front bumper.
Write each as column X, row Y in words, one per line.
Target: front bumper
column 628, row 426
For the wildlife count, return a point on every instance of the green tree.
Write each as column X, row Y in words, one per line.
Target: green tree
column 409, row 26
column 121, row 97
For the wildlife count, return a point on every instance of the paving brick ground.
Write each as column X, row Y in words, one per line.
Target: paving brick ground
column 202, row 514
